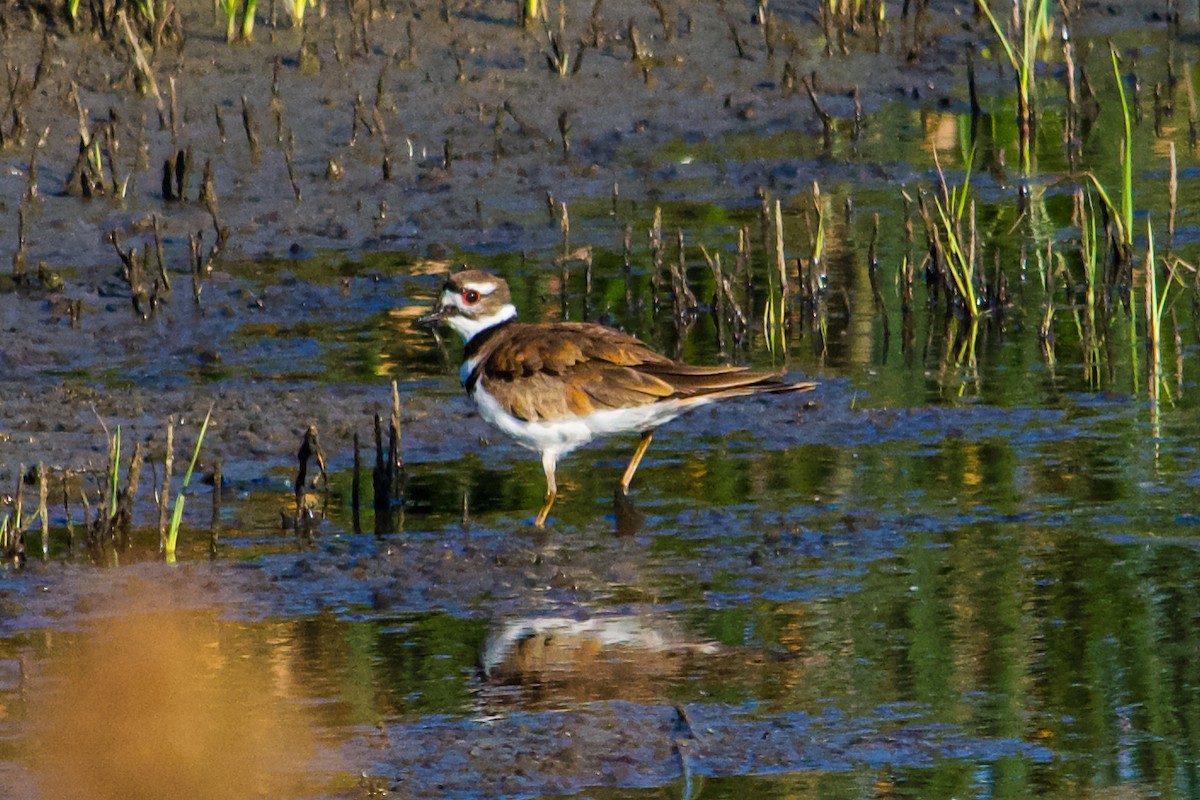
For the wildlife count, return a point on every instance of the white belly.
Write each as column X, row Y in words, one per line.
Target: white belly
column 563, row 436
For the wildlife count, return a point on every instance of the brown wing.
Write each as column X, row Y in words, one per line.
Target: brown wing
column 557, row 347
column 548, row 372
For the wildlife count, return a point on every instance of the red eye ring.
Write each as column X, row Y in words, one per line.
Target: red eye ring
column 470, row 296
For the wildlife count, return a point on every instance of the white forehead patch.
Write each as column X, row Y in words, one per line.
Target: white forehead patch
column 483, row 288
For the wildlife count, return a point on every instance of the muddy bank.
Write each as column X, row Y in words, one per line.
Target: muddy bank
column 483, row 144
column 464, row 110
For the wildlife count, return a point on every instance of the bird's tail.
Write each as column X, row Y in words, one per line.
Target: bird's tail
column 692, row 382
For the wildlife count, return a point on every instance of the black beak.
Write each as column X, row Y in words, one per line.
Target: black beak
column 439, row 312
column 435, row 315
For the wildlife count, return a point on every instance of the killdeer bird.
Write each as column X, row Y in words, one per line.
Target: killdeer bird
column 555, row 386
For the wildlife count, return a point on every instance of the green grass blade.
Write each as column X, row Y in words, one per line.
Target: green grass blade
column 1000, row 35
column 1117, row 215
column 177, row 510
column 959, row 263
column 961, row 207
column 247, row 30
column 114, row 449
column 1127, row 151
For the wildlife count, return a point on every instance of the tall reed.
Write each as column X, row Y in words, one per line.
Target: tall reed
column 1156, row 304
column 1032, row 27
column 954, row 250
column 774, row 310
column 1126, row 151
column 1089, row 254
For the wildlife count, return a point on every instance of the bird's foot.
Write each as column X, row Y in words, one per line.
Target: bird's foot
column 628, row 520
column 536, row 535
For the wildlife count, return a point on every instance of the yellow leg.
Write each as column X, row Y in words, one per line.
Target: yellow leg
column 549, row 461
column 627, row 478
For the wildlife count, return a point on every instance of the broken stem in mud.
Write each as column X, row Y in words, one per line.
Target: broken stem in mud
column 175, row 173
column 133, row 273
column 200, row 261
column 168, row 183
column 719, row 302
column 816, row 278
column 825, row 117
column 656, row 259
column 729, row 312
column 112, row 145
column 780, row 259
column 973, row 88
column 498, row 135
column 27, row 200
column 163, row 277
column 183, row 172
column 250, row 126
column 31, row 186
column 214, row 525
column 208, row 196
column 143, row 66
column 380, row 484
column 17, row 526
column 733, row 35
column 743, row 274
column 1172, row 198
column 907, row 265
column 66, row 501
column 683, row 298
column 122, row 522
column 275, row 104
column 310, row 447
column 395, row 457
column 1072, row 135
column 564, row 130
column 220, row 120
column 173, row 108
column 289, row 157
column 43, row 513
column 19, row 267
column 1161, row 110
column 873, row 279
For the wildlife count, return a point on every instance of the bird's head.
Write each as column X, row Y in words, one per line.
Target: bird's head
column 471, row 301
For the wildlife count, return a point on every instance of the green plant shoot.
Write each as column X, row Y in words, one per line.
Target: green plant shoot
column 177, row 511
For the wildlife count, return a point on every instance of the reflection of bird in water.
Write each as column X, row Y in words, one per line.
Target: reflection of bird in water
column 555, row 386
column 614, row 655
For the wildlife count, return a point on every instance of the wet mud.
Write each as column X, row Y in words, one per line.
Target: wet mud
column 632, row 645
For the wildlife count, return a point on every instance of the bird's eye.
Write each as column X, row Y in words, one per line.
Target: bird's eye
column 470, row 296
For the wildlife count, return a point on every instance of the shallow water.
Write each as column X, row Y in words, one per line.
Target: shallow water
column 967, row 568
column 980, row 600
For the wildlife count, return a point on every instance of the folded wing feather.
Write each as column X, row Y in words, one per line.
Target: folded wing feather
column 574, row 369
